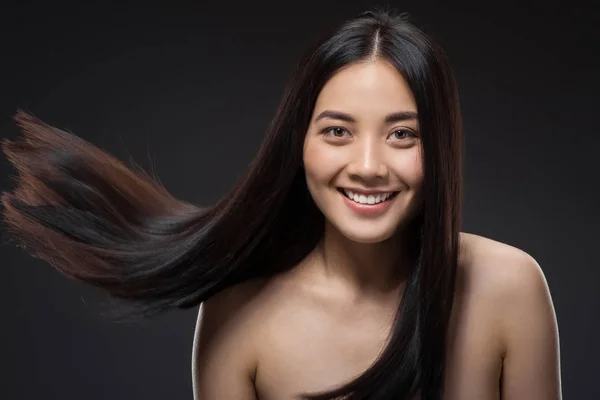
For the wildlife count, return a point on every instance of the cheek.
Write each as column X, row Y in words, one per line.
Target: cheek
column 409, row 167
column 318, row 163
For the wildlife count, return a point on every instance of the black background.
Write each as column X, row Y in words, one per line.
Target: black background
column 188, row 89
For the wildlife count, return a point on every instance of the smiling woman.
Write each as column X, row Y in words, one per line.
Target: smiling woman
column 335, row 267
column 369, row 156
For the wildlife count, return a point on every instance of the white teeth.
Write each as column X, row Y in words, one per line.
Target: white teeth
column 370, row 199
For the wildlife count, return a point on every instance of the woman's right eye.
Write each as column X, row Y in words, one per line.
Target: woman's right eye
column 337, row 131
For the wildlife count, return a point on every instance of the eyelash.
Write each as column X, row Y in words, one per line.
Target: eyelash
column 326, row 130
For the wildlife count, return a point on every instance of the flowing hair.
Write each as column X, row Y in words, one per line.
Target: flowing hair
column 99, row 221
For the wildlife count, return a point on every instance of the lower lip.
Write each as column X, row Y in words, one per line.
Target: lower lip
column 368, row 209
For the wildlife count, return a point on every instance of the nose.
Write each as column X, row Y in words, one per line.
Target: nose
column 367, row 162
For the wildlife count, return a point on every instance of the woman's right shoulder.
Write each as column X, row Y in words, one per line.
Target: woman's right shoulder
column 254, row 296
column 238, row 292
column 225, row 342
column 234, row 304
column 247, row 309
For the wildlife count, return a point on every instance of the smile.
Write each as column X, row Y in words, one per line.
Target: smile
column 367, row 199
column 368, row 205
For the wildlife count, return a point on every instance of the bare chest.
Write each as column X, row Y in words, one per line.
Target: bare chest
column 307, row 350
column 311, row 350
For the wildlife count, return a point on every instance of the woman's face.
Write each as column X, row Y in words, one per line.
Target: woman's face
column 364, row 135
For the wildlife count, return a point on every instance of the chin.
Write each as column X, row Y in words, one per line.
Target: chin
column 365, row 237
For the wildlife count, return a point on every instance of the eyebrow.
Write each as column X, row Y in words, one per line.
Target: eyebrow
column 394, row 117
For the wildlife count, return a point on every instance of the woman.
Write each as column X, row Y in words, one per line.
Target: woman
column 336, row 266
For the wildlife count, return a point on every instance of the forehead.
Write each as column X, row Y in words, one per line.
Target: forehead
column 366, row 87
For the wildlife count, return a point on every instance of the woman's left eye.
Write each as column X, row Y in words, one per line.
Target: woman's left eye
column 405, row 131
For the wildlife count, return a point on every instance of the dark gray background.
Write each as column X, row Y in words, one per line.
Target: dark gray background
column 190, row 89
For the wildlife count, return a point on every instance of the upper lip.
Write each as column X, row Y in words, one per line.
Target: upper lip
column 368, row 191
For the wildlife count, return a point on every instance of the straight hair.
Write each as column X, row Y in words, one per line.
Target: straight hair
column 113, row 226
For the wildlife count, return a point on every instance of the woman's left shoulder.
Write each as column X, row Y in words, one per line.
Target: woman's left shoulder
column 513, row 283
column 505, row 267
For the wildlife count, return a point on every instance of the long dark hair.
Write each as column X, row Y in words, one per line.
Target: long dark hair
column 113, row 226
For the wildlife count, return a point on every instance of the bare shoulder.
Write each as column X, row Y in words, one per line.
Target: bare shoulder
column 223, row 356
column 498, row 266
column 489, row 250
column 521, row 298
column 229, row 311
column 491, row 279
column 510, row 277
column 503, row 331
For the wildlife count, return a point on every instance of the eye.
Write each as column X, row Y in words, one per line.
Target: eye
column 337, row 131
column 405, row 133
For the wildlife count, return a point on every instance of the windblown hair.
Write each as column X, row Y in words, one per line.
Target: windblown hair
column 113, row 226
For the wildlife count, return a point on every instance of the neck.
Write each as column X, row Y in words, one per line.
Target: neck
column 363, row 270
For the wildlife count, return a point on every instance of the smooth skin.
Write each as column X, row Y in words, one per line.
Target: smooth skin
column 325, row 321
